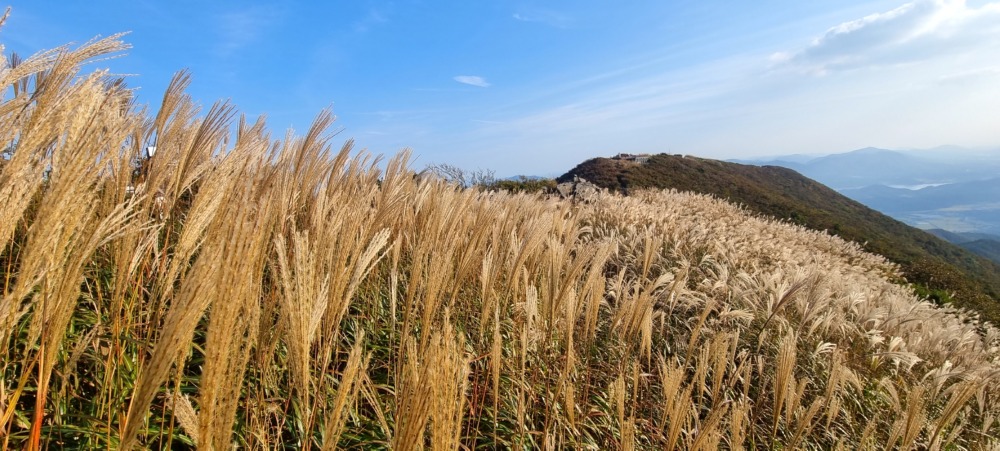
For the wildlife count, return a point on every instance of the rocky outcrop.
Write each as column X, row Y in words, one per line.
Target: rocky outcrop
column 578, row 190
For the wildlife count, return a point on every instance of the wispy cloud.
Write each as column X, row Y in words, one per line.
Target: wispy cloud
column 916, row 76
column 473, row 80
column 373, row 18
column 401, row 114
column 917, row 31
column 550, row 18
column 973, row 77
column 239, row 29
column 919, row 75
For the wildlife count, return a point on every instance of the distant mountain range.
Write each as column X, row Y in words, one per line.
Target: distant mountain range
column 937, row 268
column 969, row 206
column 873, row 166
column 980, row 243
column 947, row 188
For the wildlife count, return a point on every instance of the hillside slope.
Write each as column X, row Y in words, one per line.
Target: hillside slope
column 938, row 269
column 986, row 248
column 983, row 244
column 235, row 291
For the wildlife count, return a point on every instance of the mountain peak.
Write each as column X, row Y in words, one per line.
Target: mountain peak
column 869, row 150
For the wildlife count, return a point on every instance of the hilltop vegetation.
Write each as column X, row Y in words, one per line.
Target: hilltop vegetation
column 940, row 270
column 240, row 291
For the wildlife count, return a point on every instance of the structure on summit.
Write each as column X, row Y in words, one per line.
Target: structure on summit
column 640, row 158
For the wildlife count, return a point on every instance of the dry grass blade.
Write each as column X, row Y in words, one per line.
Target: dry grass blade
column 961, row 393
column 413, row 404
column 350, row 383
column 282, row 292
column 784, row 380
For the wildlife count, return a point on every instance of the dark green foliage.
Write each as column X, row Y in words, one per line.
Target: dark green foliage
column 523, row 185
column 942, row 271
column 987, row 248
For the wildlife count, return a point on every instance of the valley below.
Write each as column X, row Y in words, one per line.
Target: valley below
column 950, row 189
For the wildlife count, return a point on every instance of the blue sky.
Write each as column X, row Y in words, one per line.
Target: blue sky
column 532, row 87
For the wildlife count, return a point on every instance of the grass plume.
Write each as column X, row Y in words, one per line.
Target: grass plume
column 238, row 290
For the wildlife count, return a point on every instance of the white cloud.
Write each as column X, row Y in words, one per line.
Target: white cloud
column 917, row 31
column 550, row 18
column 918, row 76
column 473, row 80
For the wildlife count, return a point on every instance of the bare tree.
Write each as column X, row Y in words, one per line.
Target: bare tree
column 462, row 177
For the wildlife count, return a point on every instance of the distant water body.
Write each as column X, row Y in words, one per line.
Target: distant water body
column 918, row 187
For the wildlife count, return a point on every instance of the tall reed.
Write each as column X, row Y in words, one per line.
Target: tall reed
column 239, row 290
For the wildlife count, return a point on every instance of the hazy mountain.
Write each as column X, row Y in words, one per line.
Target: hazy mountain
column 873, row 166
column 934, row 265
column 951, row 237
column 794, row 159
column 987, row 248
column 517, row 178
column 983, row 244
column 867, row 166
column 947, row 187
column 960, row 237
column 896, row 200
column 972, row 206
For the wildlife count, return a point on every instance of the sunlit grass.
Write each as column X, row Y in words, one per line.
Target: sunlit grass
column 237, row 290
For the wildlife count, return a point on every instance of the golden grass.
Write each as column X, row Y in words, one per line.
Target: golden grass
column 239, row 290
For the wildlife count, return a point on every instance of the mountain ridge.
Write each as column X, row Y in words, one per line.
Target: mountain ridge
column 942, row 271
column 864, row 167
column 984, row 244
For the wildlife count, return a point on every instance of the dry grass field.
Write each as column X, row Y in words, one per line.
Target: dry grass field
column 241, row 290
